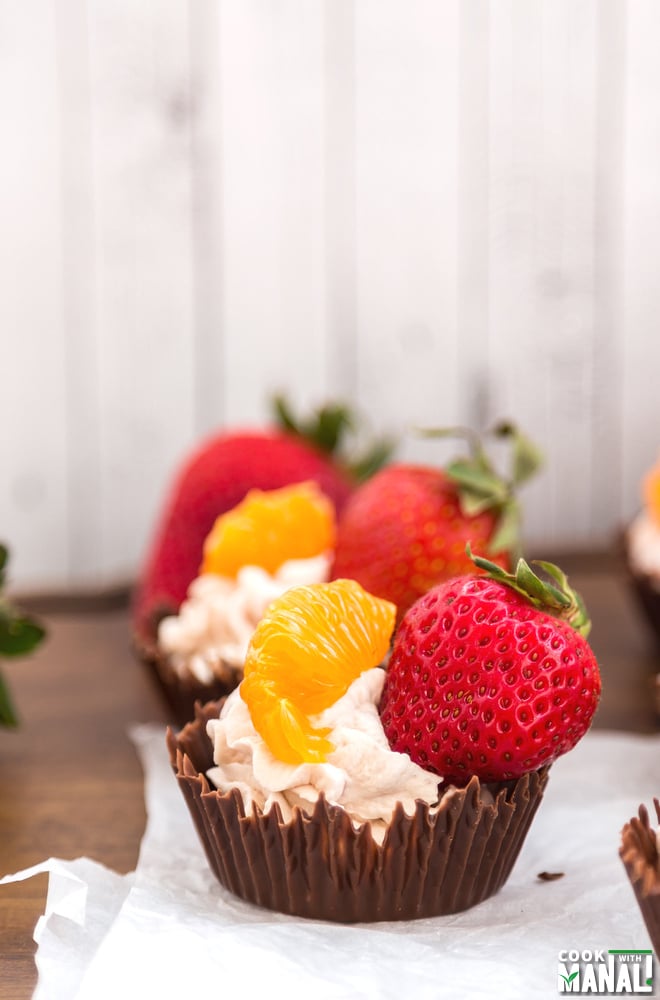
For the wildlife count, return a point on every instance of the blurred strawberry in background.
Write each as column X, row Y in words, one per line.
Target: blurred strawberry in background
column 216, row 476
column 407, row 528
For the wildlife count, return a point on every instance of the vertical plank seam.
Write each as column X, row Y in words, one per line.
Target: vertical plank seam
column 207, row 188
column 341, row 329
column 473, row 224
column 607, row 437
column 78, row 298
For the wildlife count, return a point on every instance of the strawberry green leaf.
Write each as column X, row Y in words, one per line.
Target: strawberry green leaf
column 4, row 556
column 560, row 602
column 485, row 484
column 8, row 716
column 480, row 487
column 579, row 615
column 526, row 457
column 373, row 459
column 327, row 430
column 545, row 593
column 472, row 504
column 478, row 457
column 555, row 572
column 328, row 427
column 284, row 415
column 506, row 537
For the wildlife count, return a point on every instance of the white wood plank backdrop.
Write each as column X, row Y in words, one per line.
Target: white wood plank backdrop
column 442, row 211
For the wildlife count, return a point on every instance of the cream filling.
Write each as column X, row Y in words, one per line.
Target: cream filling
column 644, row 546
column 362, row 774
column 215, row 623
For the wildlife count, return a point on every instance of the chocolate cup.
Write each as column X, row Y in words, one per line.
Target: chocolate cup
column 647, row 594
column 180, row 692
column 641, row 859
column 646, row 589
column 321, row 866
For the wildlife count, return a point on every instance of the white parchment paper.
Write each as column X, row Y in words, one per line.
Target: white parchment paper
column 169, row 929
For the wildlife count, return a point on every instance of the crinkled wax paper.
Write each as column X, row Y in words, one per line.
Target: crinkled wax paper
column 169, row 929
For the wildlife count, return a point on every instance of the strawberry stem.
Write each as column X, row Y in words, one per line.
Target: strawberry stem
column 327, row 430
column 481, row 487
column 558, row 598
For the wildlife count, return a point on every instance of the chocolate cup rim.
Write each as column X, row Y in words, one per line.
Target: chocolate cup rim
column 638, row 576
column 180, row 692
column 640, row 856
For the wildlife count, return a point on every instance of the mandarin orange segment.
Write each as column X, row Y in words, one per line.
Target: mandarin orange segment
column 269, row 527
column 651, row 493
column 305, row 653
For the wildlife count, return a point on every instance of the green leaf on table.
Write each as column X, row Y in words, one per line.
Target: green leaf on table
column 18, row 634
column 7, row 714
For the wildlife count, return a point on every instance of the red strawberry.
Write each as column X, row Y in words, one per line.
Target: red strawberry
column 491, row 675
column 216, row 477
column 406, row 529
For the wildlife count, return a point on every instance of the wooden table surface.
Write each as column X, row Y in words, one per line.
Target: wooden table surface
column 70, row 781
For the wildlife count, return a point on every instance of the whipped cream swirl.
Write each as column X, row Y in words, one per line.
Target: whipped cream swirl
column 362, row 774
column 211, row 633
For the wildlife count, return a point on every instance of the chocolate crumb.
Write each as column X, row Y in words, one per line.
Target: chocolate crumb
column 549, row 876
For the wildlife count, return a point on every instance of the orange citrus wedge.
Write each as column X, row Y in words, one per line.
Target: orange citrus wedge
column 307, row 650
column 651, row 493
column 269, row 527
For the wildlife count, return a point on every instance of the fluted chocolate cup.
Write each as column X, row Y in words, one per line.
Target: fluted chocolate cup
column 647, row 593
column 181, row 690
column 645, row 587
column 320, row 865
column 641, row 858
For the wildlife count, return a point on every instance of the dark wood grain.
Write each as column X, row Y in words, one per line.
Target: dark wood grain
column 71, row 784
column 70, row 781
column 627, row 652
